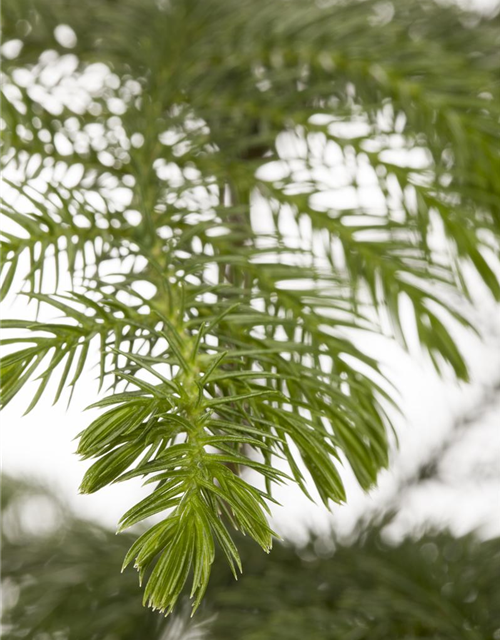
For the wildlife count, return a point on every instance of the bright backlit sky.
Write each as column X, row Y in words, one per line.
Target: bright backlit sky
column 41, row 444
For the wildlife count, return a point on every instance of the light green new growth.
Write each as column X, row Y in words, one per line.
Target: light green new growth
column 228, row 347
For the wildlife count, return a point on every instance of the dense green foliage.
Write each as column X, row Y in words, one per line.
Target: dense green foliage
column 61, row 573
column 64, row 579
column 365, row 134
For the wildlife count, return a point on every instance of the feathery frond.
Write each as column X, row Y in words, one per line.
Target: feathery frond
column 236, row 189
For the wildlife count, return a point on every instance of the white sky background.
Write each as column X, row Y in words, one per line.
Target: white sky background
column 469, row 498
column 41, row 444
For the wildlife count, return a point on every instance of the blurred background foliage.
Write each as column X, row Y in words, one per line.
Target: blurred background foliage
column 60, row 580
